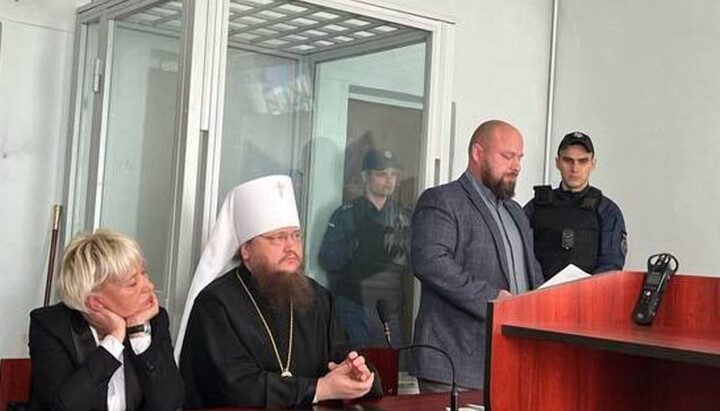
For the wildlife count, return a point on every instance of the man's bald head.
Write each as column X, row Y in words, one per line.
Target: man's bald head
column 488, row 130
column 494, row 155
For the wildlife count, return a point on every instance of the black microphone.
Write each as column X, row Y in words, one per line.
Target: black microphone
column 384, row 313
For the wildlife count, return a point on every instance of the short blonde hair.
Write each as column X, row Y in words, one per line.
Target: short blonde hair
column 93, row 258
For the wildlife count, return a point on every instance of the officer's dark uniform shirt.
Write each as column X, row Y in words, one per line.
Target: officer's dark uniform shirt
column 611, row 238
column 365, row 250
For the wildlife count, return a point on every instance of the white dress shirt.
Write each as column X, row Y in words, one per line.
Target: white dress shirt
column 116, row 385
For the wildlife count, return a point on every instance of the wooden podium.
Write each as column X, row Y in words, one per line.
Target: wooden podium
column 575, row 347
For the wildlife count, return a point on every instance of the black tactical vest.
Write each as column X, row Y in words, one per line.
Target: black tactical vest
column 566, row 231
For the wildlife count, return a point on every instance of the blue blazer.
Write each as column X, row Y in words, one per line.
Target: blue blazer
column 458, row 255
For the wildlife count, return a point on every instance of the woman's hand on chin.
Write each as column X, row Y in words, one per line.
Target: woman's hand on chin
column 148, row 310
column 106, row 322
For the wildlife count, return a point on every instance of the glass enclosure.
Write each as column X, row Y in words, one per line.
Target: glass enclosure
column 289, row 112
column 365, row 105
column 178, row 102
column 123, row 154
column 136, row 181
column 87, row 85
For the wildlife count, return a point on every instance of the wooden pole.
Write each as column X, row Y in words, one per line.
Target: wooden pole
column 57, row 213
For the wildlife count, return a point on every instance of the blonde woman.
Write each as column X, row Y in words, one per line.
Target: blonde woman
column 106, row 346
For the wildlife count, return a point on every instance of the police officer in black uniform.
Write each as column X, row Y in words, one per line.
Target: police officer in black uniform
column 365, row 252
column 575, row 223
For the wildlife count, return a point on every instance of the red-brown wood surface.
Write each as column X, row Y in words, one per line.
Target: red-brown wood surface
column 386, row 360
column 554, row 370
column 14, row 380
column 422, row 402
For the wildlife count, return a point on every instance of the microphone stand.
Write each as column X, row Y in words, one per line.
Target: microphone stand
column 454, row 395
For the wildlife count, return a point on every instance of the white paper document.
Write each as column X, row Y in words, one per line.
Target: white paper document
column 567, row 274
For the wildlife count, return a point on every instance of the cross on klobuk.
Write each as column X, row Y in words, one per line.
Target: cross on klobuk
column 280, row 188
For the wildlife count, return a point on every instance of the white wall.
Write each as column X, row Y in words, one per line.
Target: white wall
column 502, row 51
column 641, row 77
column 35, row 62
column 55, row 14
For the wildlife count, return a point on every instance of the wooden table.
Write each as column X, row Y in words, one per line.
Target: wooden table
column 421, row 402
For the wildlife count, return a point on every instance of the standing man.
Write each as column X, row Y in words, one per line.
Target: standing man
column 365, row 252
column 471, row 243
column 260, row 333
column 575, row 223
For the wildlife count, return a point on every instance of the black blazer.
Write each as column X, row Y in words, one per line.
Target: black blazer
column 70, row 372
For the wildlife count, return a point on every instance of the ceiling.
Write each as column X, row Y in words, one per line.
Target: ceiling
column 283, row 25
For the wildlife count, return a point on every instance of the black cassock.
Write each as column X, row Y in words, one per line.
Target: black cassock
column 227, row 358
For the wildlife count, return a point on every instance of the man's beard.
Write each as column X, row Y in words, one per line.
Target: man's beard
column 280, row 287
column 503, row 190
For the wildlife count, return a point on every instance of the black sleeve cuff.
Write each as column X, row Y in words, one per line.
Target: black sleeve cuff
column 307, row 399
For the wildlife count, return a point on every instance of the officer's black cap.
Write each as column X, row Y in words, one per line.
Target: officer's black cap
column 379, row 160
column 578, row 138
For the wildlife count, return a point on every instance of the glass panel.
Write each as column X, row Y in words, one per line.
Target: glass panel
column 364, row 182
column 275, row 123
column 77, row 202
column 265, row 98
column 375, row 101
column 140, row 146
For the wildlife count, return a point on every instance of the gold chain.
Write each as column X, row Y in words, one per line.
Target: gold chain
column 285, row 371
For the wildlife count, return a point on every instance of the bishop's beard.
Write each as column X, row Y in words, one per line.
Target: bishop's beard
column 280, row 287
